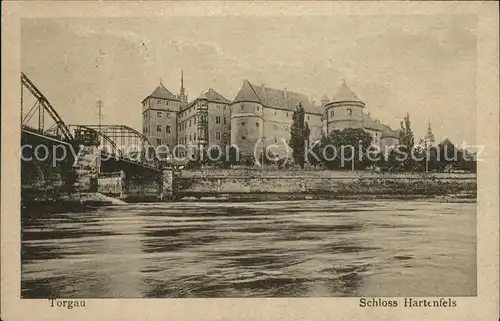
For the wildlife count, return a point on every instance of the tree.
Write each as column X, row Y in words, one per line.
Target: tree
column 407, row 142
column 342, row 149
column 299, row 133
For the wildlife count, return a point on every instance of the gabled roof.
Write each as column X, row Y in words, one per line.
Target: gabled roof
column 345, row 94
column 162, row 93
column 246, row 93
column 275, row 98
column 214, row 96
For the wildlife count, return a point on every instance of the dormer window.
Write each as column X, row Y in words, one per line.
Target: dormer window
column 349, row 111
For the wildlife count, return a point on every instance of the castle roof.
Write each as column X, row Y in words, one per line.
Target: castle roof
column 162, row 93
column 214, row 96
column 345, row 94
column 369, row 123
column 275, row 98
column 388, row 132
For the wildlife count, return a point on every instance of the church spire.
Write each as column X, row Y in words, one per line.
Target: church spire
column 429, row 138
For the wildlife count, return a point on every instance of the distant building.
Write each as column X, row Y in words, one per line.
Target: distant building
column 429, row 139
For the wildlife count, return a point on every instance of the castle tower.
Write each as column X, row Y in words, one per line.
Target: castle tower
column 344, row 111
column 429, row 139
column 159, row 116
column 247, row 126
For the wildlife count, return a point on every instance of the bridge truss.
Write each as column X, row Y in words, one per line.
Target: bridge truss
column 119, row 141
column 41, row 106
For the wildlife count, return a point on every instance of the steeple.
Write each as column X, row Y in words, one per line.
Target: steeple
column 429, row 138
column 182, row 93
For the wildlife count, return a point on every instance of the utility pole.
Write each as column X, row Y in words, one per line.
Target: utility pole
column 99, row 111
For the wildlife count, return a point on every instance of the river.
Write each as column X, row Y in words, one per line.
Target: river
column 261, row 249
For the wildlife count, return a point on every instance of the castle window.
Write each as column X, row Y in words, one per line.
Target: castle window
column 286, row 114
column 275, row 127
column 168, row 129
column 217, row 119
column 217, row 135
column 158, row 141
column 256, row 124
column 190, row 137
column 194, row 121
column 159, row 101
column 275, row 113
column 332, row 113
column 349, row 111
column 241, row 106
column 243, row 138
column 242, row 123
column 158, row 114
column 158, row 128
column 190, row 123
column 257, row 108
column 225, row 120
column 308, row 118
column 166, row 102
column 168, row 115
column 194, row 136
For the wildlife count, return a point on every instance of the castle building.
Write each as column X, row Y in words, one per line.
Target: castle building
column 169, row 120
column 263, row 116
column 346, row 110
column 258, row 116
column 160, row 116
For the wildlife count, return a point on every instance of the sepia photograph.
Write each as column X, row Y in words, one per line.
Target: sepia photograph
column 224, row 156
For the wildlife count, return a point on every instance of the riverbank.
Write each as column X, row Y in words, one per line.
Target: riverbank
column 272, row 197
column 68, row 202
column 235, row 184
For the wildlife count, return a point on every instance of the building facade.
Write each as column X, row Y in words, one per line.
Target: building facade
column 259, row 116
column 170, row 121
column 262, row 116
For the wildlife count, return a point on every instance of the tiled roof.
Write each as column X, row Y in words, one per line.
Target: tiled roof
column 369, row 123
column 276, row 98
column 388, row 132
column 246, row 93
column 162, row 93
column 214, row 96
column 345, row 94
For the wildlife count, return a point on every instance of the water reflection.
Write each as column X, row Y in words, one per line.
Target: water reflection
column 267, row 249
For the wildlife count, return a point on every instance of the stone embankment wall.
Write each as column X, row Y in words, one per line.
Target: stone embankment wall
column 199, row 182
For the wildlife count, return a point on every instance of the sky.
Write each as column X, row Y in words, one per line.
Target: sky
column 424, row 65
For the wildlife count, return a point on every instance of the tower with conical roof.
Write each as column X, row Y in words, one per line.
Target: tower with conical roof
column 247, row 123
column 344, row 111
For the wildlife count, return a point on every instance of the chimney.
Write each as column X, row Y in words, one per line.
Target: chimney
column 285, row 94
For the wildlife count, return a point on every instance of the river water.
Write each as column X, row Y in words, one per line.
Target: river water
column 260, row 249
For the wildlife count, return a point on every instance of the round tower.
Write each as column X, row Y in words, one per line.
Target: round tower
column 344, row 111
column 247, row 123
